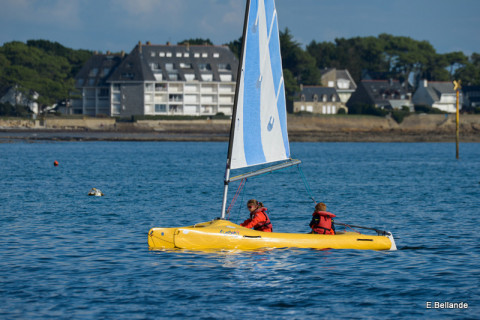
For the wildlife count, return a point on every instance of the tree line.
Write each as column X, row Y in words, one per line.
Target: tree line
column 49, row 68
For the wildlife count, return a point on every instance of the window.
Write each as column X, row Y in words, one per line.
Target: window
column 155, row 66
column 160, row 87
column 160, row 108
column 152, row 54
column 197, row 55
column 224, row 67
column 169, row 54
column 324, row 97
column 343, row 83
column 175, row 97
column 91, row 81
column 106, row 71
column 184, row 65
column 315, row 97
column 204, row 55
column 161, row 54
column 173, row 76
column 93, row 72
column 178, row 55
column 334, row 98
column 104, row 92
column 79, row 82
column 216, row 55
column 116, row 109
column 186, row 55
column 169, row 66
column 116, row 87
column 148, row 98
column 204, row 66
column 148, row 86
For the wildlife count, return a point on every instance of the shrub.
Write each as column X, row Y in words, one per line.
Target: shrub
column 6, row 109
column 366, row 109
column 399, row 115
column 427, row 109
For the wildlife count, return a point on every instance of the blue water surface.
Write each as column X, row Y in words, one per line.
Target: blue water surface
column 65, row 255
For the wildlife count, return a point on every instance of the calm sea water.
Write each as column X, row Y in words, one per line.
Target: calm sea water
column 64, row 255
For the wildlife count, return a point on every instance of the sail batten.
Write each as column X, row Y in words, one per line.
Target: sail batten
column 260, row 134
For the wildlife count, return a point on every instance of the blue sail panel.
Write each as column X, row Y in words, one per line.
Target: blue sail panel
column 260, row 134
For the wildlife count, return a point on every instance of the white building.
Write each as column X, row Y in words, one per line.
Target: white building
column 15, row 96
column 159, row 80
column 440, row 95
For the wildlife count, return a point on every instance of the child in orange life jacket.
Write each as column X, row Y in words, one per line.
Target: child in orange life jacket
column 322, row 222
column 258, row 217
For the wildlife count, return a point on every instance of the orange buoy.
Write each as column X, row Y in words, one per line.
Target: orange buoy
column 55, row 163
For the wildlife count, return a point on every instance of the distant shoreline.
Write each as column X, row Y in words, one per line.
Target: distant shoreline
column 33, row 135
column 415, row 128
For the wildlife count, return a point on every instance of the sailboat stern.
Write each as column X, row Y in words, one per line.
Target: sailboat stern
column 393, row 246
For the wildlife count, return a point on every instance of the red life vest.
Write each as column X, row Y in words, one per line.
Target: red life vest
column 265, row 225
column 322, row 222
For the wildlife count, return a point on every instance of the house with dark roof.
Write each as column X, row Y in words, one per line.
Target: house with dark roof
column 383, row 94
column 317, row 99
column 163, row 80
column 93, row 89
column 341, row 80
column 435, row 94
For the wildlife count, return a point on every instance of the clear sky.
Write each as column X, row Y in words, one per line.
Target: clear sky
column 115, row 25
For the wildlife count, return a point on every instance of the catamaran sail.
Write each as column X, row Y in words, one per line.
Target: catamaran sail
column 259, row 122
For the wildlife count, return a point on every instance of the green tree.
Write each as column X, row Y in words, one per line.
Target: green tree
column 236, row 47
column 470, row 72
column 197, row 41
column 47, row 68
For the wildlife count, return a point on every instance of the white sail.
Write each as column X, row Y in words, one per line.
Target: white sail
column 260, row 130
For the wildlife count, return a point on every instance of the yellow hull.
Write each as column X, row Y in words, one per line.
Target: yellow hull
column 225, row 235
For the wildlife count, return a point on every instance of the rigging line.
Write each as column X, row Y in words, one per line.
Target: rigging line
column 239, row 189
column 305, row 183
column 242, row 200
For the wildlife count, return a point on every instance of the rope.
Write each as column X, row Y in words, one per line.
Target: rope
column 305, row 183
column 239, row 189
column 243, row 199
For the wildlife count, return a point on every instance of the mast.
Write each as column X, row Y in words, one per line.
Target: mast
column 234, row 111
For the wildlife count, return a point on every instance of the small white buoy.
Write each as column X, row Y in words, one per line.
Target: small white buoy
column 95, row 192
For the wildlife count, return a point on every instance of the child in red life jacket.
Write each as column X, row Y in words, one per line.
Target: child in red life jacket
column 322, row 222
column 258, row 217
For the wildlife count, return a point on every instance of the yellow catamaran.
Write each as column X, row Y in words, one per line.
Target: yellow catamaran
column 258, row 136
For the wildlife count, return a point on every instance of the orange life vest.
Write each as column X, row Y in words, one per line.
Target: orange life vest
column 265, row 225
column 322, row 222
